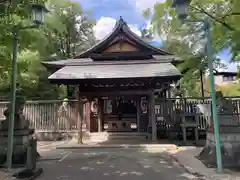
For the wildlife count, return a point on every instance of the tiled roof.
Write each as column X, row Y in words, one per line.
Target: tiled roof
column 120, row 70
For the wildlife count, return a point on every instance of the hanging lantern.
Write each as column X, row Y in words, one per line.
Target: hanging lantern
column 181, row 7
column 38, row 13
column 94, row 106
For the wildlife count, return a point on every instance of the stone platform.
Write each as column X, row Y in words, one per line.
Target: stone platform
column 229, row 133
column 21, row 142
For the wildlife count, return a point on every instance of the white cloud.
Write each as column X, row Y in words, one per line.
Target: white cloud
column 105, row 25
column 144, row 4
column 134, row 28
column 141, row 5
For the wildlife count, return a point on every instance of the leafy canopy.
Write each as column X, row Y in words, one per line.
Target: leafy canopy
column 67, row 30
column 187, row 40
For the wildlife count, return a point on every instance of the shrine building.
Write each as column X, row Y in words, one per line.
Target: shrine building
column 121, row 74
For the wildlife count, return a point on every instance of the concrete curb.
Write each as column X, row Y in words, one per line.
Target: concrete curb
column 123, row 146
column 55, row 143
column 201, row 176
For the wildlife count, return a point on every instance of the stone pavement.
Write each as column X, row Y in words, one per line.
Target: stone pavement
column 186, row 156
column 4, row 175
column 113, row 163
column 44, row 147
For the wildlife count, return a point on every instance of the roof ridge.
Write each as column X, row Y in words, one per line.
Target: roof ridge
column 122, row 26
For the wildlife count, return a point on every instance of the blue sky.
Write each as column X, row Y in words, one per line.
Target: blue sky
column 106, row 12
column 113, row 9
column 130, row 10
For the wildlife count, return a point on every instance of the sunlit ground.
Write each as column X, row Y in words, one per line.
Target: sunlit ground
column 107, row 164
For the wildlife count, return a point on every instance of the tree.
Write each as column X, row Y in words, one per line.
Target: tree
column 15, row 13
column 223, row 13
column 65, row 28
column 69, row 28
column 186, row 39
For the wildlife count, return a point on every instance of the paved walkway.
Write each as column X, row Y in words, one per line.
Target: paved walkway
column 186, row 156
column 129, row 162
column 108, row 164
column 4, row 175
column 44, row 147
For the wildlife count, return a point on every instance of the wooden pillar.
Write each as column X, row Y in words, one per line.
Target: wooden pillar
column 88, row 113
column 80, row 117
column 153, row 116
column 149, row 111
column 149, row 117
column 102, row 113
column 99, row 115
column 138, row 113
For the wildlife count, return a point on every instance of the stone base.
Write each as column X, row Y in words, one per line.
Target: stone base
column 230, row 150
column 18, row 159
column 28, row 174
column 21, row 142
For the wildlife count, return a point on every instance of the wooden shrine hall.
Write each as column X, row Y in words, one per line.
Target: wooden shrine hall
column 119, row 77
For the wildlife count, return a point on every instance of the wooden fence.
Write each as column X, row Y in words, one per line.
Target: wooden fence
column 170, row 109
column 49, row 115
column 62, row 116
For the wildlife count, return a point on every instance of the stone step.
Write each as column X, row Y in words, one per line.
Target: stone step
column 132, row 134
column 119, row 136
column 127, row 134
column 126, row 137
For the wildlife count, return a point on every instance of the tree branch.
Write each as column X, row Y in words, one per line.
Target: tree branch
column 231, row 14
column 214, row 18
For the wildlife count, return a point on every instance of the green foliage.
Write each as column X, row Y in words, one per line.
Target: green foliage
column 66, row 27
column 232, row 89
column 186, row 40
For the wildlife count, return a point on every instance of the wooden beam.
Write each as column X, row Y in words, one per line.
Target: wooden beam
column 117, row 81
column 117, row 92
column 130, row 85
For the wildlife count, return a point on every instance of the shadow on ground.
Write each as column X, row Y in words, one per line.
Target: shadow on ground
column 119, row 163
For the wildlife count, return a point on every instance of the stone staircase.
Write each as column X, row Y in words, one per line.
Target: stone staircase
column 118, row 137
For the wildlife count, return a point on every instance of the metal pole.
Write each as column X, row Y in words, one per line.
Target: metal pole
column 213, row 95
column 13, row 100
